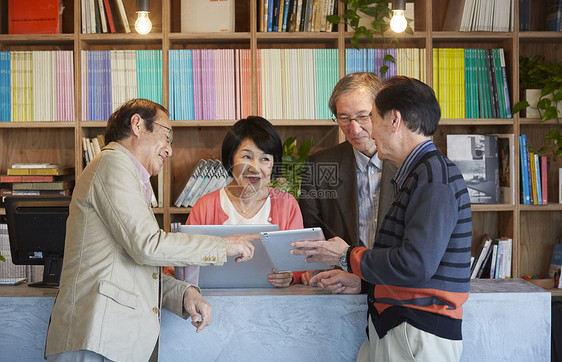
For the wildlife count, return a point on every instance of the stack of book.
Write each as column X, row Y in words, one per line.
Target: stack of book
column 37, row 179
column 534, row 179
column 36, row 86
column 91, row 147
column 295, row 15
column 479, row 15
column 209, row 176
column 493, row 259
column 104, row 16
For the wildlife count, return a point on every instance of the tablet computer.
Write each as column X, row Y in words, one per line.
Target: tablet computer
column 249, row 274
column 278, row 244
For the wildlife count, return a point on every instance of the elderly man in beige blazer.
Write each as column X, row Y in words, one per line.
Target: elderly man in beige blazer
column 112, row 289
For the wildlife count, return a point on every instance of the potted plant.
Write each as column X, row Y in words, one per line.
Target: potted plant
column 292, row 165
column 542, row 83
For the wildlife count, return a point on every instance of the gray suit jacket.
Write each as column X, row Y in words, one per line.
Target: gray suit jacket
column 111, row 287
column 332, row 203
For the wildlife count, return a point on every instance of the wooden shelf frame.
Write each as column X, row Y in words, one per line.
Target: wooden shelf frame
column 28, row 142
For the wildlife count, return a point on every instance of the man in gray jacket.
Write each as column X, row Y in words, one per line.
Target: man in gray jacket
column 112, row 289
column 346, row 189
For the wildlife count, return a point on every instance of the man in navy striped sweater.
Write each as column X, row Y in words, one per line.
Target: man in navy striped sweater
column 417, row 274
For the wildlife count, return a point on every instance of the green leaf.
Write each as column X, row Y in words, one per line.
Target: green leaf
column 389, row 58
column 557, row 97
column 355, row 42
column 383, row 69
column 550, row 113
column 334, row 19
column 304, row 149
column 2, row 257
column 543, row 103
column 520, row 106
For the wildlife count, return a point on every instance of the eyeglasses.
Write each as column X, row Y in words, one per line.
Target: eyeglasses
column 169, row 135
column 345, row 121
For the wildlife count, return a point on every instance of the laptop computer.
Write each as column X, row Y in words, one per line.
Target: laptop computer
column 249, row 274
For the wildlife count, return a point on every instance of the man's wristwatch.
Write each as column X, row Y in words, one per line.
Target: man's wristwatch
column 343, row 260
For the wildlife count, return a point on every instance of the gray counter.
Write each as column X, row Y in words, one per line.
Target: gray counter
column 504, row 320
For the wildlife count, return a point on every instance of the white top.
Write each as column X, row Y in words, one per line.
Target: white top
column 235, row 218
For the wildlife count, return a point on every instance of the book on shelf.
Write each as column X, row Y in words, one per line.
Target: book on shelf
column 36, row 86
column 480, row 256
column 46, row 193
column 91, row 147
column 525, row 185
column 202, row 16
column 34, row 16
column 553, row 15
column 471, row 83
column 54, row 185
column 476, row 156
column 36, row 169
column 524, row 15
column 216, row 83
column 208, row 176
column 506, row 166
column 479, row 15
column 32, row 178
column 544, row 179
column 496, row 259
column 556, row 264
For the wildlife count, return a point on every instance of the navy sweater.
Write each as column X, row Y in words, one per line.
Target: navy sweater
column 419, row 268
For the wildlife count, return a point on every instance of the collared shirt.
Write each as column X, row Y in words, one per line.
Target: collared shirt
column 410, row 162
column 368, row 171
column 144, row 177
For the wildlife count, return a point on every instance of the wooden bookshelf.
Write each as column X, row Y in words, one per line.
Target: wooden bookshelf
column 534, row 229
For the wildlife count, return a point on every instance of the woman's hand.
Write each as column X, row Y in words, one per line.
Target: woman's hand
column 280, row 280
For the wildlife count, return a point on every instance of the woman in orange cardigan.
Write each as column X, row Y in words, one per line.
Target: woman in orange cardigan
column 251, row 150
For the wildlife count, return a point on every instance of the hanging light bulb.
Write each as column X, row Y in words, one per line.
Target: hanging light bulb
column 398, row 22
column 143, row 25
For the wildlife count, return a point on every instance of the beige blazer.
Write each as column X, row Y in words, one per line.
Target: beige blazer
column 111, row 287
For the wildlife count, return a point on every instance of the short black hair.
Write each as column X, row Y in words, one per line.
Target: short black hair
column 261, row 132
column 414, row 99
column 119, row 123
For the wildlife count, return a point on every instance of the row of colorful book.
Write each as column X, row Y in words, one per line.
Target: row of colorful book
column 534, row 175
column 111, row 77
column 208, row 176
column 36, row 86
column 216, row 83
column 295, row 15
column 471, row 83
column 493, row 259
column 37, row 179
column 407, row 61
column 103, row 16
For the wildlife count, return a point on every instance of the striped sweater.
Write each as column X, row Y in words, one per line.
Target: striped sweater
column 419, row 268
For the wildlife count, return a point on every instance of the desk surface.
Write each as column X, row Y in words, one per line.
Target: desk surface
column 303, row 324
column 476, row 286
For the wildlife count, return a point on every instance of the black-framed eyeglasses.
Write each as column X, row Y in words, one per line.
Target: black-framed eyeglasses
column 345, row 120
column 169, row 135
